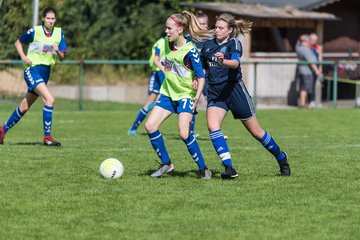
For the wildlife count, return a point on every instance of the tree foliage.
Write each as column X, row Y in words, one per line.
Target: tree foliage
column 104, row 29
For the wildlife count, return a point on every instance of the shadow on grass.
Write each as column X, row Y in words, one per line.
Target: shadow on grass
column 175, row 136
column 28, row 143
column 33, row 144
column 189, row 173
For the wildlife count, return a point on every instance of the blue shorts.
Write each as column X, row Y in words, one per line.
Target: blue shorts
column 182, row 105
column 155, row 80
column 35, row 75
column 231, row 96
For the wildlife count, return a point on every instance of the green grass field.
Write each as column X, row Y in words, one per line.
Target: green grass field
column 57, row 193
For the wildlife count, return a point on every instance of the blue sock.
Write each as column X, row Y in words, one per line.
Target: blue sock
column 47, row 119
column 221, row 147
column 194, row 150
column 157, row 141
column 192, row 125
column 139, row 118
column 269, row 143
column 14, row 118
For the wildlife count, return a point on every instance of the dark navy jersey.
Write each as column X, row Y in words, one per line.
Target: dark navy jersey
column 198, row 44
column 215, row 71
column 29, row 35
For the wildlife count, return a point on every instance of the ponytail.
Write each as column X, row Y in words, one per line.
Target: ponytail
column 195, row 30
column 189, row 22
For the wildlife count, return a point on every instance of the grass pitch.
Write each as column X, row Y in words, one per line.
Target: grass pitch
column 57, row 193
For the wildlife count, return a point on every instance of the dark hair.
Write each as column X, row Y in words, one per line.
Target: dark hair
column 47, row 10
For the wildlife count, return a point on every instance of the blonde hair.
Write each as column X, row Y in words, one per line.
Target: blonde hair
column 240, row 26
column 189, row 22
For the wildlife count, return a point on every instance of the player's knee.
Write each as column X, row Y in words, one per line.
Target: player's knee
column 213, row 126
column 257, row 133
column 50, row 101
column 24, row 107
column 149, row 126
column 184, row 134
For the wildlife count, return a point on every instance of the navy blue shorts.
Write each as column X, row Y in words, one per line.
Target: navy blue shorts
column 231, row 96
column 35, row 75
column 155, row 80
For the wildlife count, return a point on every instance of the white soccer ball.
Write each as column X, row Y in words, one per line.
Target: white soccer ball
column 111, row 168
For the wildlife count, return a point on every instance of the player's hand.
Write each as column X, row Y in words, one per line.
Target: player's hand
column 27, row 61
column 220, row 57
column 56, row 47
column 195, row 103
column 195, row 84
column 318, row 73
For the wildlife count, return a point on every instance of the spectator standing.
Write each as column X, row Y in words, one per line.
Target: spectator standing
column 305, row 71
column 315, row 98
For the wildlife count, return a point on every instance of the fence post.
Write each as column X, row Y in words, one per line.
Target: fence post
column 81, row 85
column 328, row 91
column 255, row 83
column 357, row 95
column 335, row 85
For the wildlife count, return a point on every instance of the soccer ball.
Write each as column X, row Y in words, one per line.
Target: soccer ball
column 111, row 168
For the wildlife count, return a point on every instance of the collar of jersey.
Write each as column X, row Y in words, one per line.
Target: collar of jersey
column 222, row 42
column 46, row 33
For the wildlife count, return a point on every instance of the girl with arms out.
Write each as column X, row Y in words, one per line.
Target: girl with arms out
column 46, row 44
column 226, row 91
column 180, row 91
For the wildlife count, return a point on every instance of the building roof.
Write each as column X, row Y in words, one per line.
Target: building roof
column 258, row 11
column 300, row 4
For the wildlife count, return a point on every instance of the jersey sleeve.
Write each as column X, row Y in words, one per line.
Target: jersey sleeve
column 235, row 50
column 195, row 63
column 157, row 51
column 28, row 36
column 62, row 45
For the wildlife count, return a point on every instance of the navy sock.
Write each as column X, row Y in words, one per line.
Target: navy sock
column 139, row 118
column 192, row 125
column 157, row 141
column 14, row 118
column 47, row 119
column 269, row 143
column 221, row 147
column 194, row 150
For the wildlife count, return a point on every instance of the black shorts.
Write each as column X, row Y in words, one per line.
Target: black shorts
column 231, row 96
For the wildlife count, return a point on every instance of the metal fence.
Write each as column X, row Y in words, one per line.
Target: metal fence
column 255, row 63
